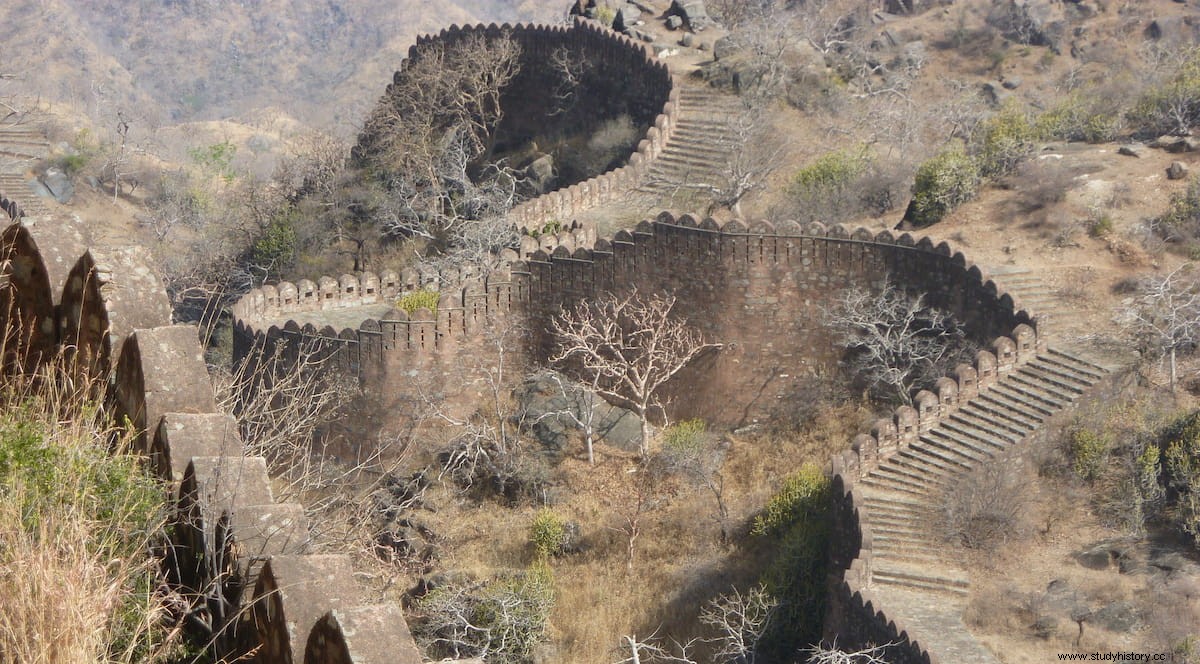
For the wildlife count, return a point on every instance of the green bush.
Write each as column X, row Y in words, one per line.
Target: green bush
column 1089, row 453
column 1182, row 462
column 278, row 244
column 685, row 437
column 802, row 494
column 1181, row 222
column 825, row 189
column 547, row 534
column 797, row 518
column 942, row 184
column 1002, row 141
column 79, row 523
column 418, row 299
column 1077, row 118
column 1172, row 106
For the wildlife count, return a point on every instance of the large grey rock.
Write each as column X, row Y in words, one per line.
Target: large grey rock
column 692, row 12
column 59, row 184
column 626, row 17
column 1117, row 617
column 674, row 22
column 549, row 405
column 1177, row 171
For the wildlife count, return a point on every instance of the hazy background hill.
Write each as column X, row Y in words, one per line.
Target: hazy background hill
column 166, row 62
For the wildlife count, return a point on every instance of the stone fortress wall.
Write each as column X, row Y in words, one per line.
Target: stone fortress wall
column 246, row 552
column 631, row 79
column 756, row 287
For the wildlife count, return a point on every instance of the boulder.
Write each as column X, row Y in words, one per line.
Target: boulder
column 1130, row 150
column 674, row 22
column 692, row 12
column 1117, row 617
column 1177, row 171
column 540, row 172
column 552, row 407
column 995, row 93
column 688, row 40
column 59, row 184
column 626, row 17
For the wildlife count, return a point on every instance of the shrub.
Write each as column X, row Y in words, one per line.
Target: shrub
column 798, row 517
column 1077, row 119
column 685, row 437
column 547, row 534
column 77, row 525
column 501, row 620
column 278, row 244
column 986, row 508
column 1181, row 222
column 1182, row 458
column 1089, row 453
column 1002, row 141
column 1172, row 106
column 825, row 189
column 419, row 299
column 942, row 184
column 1100, row 225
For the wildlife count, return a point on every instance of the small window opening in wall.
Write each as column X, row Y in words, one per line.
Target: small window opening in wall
column 349, row 289
column 329, row 296
column 370, row 291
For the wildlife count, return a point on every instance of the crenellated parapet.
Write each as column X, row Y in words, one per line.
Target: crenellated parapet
column 760, row 288
column 108, row 314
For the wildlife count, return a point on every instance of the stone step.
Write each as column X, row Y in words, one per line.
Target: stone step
column 967, row 441
column 1024, row 399
column 703, row 127
column 918, row 456
column 1047, row 392
column 902, row 473
column 697, row 150
column 1075, row 358
column 998, row 426
column 923, row 557
column 889, row 483
column 914, row 577
column 987, row 403
column 945, row 445
column 953, row 461
column 688, row 160
column 1067, row 385
column 899, row 527
column 1018, row 404
column 963, row 429
column 999, row 416
column 1085, row 371
column 886, row 542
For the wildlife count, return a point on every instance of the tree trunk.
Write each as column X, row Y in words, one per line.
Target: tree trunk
column 644, row 446
column 591, row 457
column 1172, row 369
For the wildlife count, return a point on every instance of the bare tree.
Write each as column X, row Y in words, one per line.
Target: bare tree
column 896, row 339
column 652, row 650
column 629, row 347
column 741, row 620
column 1165, row 318
column 754, row 153
column 429, row 144
column 832, row 655
column 699, row 457
column 581, row 404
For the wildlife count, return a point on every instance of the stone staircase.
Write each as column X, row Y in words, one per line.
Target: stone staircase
column 20, row 146
column 700, row 147
column 1033, row 294
column 910, row 572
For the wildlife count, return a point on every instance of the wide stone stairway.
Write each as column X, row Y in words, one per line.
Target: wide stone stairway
column 20, row 146
column 701, row 145
column 902, row 496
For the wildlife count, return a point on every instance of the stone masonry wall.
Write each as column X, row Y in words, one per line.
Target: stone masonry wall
column 244, row 555
column 758, row 288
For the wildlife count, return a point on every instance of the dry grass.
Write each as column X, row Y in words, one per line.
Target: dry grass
column 77, row 530
column 679, row 562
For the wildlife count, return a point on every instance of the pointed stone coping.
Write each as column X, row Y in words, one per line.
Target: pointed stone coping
column 363, row 635
column 247, row 537
column 291, row 595
column 182, row 436
column 210, row 486
column 161, row 370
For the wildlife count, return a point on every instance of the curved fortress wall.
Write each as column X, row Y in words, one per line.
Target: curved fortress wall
column 760, row 289
column 617, row 77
